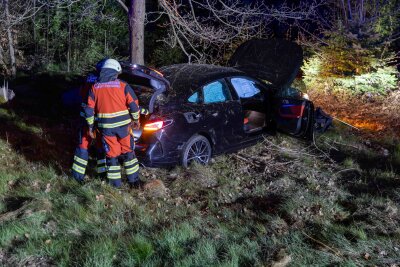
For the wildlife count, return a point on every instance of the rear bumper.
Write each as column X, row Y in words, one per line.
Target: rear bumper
column 155, row 156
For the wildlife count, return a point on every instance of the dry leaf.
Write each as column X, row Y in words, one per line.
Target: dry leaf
column 47, row 188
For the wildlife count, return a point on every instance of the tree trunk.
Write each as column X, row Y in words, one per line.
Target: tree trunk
column 2, row 64
column 69, row 40
column 349, row 10
column 10, row 40
column 34, row 26
column 136, row 15
column 47, row 34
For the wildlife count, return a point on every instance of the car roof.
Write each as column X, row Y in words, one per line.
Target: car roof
column 187, row 78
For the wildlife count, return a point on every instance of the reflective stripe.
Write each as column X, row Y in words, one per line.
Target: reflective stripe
column 101, row 169
column 101, row 161
column 114, row 125
column 112, row 115
column 113, row 176
column 130, row 162
column 144, row 111
column 135, row 115
column 114, row 168
column 82, row 161
column 90, row 120
column 78, row 168
column 132, row 170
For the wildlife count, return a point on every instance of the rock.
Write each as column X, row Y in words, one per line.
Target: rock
column 155, row 189
column 279, row 226
column 51, row 226
column 282, row 259
column 5, row 93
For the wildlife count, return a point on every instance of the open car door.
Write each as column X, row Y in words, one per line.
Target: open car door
column 294, row 116
column 278, row 62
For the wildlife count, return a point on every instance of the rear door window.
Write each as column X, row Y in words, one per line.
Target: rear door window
column 245, row 88
column 195, row 98
column 216, row 92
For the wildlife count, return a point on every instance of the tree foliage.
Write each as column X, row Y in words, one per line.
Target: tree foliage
column 348, row 36
column 357, row 54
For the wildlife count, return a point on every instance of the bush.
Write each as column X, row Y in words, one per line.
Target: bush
column 380, row 80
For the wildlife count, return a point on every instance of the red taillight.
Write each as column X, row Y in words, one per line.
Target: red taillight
column 153, row 126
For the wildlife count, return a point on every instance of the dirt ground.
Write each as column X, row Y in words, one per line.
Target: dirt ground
column 375, row 117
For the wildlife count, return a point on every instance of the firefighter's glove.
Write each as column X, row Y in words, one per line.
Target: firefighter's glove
column 136, row 125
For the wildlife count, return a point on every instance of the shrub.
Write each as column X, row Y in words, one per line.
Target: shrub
column 380, row 80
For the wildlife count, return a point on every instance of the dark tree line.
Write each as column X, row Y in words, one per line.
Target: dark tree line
column 70, row 35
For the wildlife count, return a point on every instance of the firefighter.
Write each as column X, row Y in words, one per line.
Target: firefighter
column 116, row 108
column 81, row 155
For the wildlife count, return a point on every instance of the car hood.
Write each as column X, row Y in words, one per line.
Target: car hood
column 275, row 60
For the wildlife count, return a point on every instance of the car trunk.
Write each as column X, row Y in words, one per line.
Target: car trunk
column 149, row 86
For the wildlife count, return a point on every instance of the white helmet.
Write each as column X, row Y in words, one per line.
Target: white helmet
column 112, row 64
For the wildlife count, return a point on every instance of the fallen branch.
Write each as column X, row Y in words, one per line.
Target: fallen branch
column 335, row 251
column 346, row 170
column 348, row 124
column 290, row 150
column 338, row 143
column 320, row 150
column 250, row 161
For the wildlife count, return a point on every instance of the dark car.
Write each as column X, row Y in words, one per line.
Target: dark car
column 198, row 111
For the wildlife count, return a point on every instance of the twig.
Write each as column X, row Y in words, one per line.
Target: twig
column 335, row 251
column 247, row 160
column 348, row 124
column 320, row 150
column 338, row 143
column 289, row 150
column 332, row 147
column 345, row 170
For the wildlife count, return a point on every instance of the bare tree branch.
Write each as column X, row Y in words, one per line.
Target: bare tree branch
column 123, row 5
column 198, row 26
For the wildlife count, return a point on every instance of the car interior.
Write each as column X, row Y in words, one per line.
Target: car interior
column 253, row 103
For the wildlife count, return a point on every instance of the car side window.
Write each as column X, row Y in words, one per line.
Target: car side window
column 245, row 88
column 216, row 92
column 195, row 98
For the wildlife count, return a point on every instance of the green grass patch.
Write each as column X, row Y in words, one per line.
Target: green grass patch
column 289, row 199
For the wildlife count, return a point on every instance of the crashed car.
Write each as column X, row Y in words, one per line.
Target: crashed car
column 198, row 111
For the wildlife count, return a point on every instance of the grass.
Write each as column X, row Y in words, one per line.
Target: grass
column 289, row 201
column 17, row 121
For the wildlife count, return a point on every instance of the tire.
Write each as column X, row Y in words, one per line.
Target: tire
column 197, row 149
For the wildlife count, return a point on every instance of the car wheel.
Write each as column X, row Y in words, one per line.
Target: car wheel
column 197, row 149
